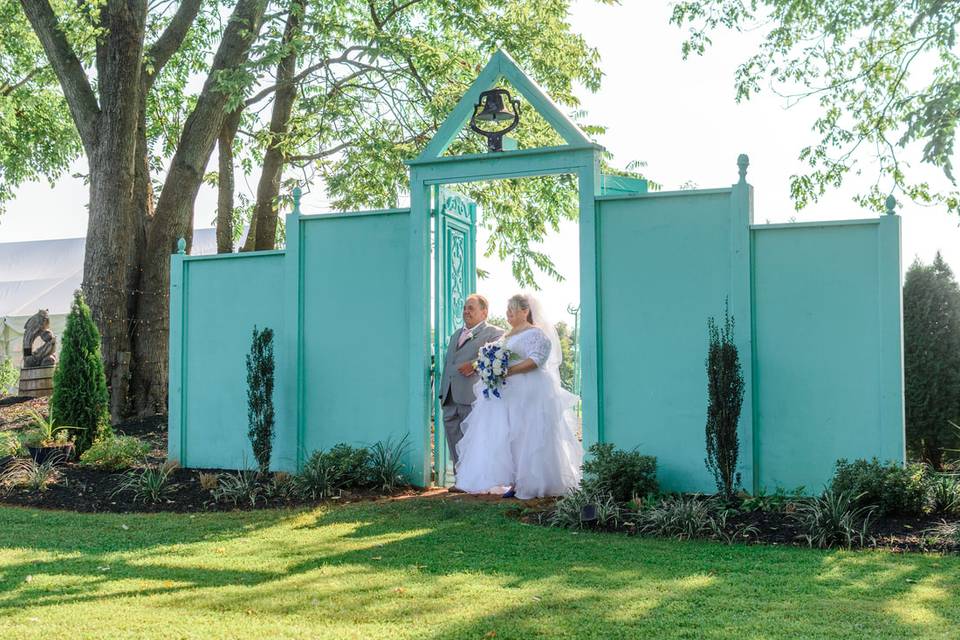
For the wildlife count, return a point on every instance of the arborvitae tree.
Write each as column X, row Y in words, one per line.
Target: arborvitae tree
column 725, row 392
column 260, row 396
column 931, row 359
column 79, row 384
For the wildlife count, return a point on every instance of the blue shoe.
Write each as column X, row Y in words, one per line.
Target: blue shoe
column 512, row 493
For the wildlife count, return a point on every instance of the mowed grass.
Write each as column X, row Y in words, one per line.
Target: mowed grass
column 431, row 568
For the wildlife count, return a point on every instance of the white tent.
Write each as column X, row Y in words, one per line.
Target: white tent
column 43, row 274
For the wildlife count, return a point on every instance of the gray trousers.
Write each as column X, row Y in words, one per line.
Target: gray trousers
column 453, row 415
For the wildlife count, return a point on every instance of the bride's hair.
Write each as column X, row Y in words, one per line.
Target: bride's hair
column 520, row 302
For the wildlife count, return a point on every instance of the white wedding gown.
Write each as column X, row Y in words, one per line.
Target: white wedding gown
column 527, row 438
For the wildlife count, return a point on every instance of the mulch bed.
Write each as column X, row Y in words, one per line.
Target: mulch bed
column 83, row 489
column 897, row 534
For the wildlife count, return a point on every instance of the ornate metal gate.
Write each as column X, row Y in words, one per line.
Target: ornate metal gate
column 455, row 269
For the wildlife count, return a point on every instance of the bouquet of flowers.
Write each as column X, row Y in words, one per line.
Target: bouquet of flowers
column 492, row 367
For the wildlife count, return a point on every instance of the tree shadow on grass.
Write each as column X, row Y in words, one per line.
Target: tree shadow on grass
column 455, row 568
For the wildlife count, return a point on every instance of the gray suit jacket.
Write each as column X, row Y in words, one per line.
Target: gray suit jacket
column 453, row 381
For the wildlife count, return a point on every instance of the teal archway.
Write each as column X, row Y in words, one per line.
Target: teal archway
column 578, row 156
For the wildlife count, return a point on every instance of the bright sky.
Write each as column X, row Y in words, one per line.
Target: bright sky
column 679, row 117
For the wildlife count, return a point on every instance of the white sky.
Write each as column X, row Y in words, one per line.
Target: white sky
column 680, row 117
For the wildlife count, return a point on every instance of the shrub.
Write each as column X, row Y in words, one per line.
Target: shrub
column 834, row 520
column 622, row 474
column 385, row 467
column 260, row 415
column 79, row 384
column 888, row 486
column 584, row 508
column 943, row 495
column 931, row 359
column 352, row 465
column 115, row 454
column 9, row 376
column 241, row 486
column 149, row 485
column 25, row 472
column 725, row 398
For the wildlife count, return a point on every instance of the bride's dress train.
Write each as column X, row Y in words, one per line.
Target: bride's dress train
column 528, row 437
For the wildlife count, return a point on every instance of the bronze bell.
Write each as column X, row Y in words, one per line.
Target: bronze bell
column 494, row 109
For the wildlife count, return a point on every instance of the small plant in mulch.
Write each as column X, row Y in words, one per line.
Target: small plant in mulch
column 150, row 485
column 115, row 453
column 27, row 473
column 46, row 439
column 834, row 520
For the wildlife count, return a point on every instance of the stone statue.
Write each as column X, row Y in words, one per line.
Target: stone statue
column 38, row 326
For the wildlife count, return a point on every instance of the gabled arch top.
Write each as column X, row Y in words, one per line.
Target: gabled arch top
column 502, row 67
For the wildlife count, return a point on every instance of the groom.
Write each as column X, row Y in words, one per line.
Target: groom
column 456, row 385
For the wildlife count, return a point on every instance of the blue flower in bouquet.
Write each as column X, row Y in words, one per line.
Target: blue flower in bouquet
column 492, row 366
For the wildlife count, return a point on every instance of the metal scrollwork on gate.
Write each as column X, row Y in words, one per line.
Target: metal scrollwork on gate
column 456, row 206
column 457, row 264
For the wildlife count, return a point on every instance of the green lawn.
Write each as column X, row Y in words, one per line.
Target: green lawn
column 429, row 568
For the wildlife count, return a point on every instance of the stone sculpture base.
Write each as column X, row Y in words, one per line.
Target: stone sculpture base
column 36, row 382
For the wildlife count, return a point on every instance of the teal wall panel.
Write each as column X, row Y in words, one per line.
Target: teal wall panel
column 820, row 307
column 225, row 297
column 354, row 335
column 665, row 267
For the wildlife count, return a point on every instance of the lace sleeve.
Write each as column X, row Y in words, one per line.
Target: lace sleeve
column 539, row 347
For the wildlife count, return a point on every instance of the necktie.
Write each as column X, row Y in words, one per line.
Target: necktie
column 464, row 336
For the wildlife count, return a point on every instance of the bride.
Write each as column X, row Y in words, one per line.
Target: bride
column 523, row 443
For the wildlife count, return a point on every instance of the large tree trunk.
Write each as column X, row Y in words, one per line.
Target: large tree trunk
column 225, row 182
column 174, row 214
column 112, row 126
column 268, row 190
column 110, row 260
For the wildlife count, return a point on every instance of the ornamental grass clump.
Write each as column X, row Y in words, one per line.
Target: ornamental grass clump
column 150, row 485
column 79, row 384
column 834, row 520
column 586, row 508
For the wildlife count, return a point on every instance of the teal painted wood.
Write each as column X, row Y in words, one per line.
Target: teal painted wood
column 824, row 330
column 455, row 270
column 889, row 267
column 216, row 333
column 591, row 290
column 611, row 184
column 355, row 316
column 579, row 157
column 418, row 331
column 176, row 389
column 582, row 161
column 502, row 67
column 290, row 412
column 742, row 309
column 665, row 267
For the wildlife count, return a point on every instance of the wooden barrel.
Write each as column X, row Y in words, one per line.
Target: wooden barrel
column 36, row 382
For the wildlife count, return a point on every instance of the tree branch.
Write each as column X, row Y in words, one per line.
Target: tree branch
column 7, row 89
column 170, row 40
column 73, row 80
